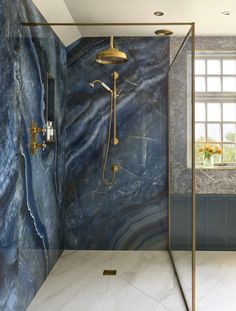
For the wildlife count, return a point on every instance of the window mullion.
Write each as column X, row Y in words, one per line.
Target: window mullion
column 206, row 132
column 222, row 137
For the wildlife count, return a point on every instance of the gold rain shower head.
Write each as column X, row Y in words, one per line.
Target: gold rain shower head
column 111, row 55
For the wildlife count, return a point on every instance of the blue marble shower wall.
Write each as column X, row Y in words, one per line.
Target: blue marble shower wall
column 132, row 214
column 31, row 216
column 37, row 217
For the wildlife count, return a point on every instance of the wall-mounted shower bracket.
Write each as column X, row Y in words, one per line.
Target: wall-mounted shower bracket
column 34, row 130
column 49, row 130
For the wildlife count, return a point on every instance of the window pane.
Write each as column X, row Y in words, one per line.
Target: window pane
column 200, row 67
column 229, row 153
column 213, row 112
column 229, row 84
column 200, row 113
column 200, row 132
column 198, row 155
column 213, row 67
column 229, row 67
column 229, row 132
column 217, row 158
column 213, row 131
column 200, row 84
column 229, row 112
column 214, row 84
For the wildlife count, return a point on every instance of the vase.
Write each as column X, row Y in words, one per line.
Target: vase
column 208, row 161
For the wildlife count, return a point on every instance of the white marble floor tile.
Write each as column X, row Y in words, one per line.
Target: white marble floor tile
column 183, row 264
column 72, row 273
column 144, row 281
column 216, row 281
column 116, row 295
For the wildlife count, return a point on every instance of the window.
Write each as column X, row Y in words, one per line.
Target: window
column 215, row 115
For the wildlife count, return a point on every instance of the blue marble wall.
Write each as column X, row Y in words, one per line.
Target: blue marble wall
column 11, row 190
column 30, row 187
column 132, row 214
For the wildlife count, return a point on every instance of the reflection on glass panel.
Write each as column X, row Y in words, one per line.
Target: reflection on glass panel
column 217, row 158
column 180, row 177
column 229, row 67
column 200, row 112
column 229, row 84
column 200, row 68
column 229, row 131
column 229, row 153
column 213, row 132
column 213, row 112
column 229, row 112
column 213, row 67
column 200, row 132
column 213, row 84
column 200, row 84
column 198, row 155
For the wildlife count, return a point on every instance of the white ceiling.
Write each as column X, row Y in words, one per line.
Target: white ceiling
column 57, row 11
column 206, row 14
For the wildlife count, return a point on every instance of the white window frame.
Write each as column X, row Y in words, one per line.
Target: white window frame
column 208, row 97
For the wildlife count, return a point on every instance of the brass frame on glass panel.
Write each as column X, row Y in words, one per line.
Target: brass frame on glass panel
column 193, row 218
column 193, row 176
column 192, row 32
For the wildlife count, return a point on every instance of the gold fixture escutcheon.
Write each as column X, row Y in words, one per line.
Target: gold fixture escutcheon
column 34, row 130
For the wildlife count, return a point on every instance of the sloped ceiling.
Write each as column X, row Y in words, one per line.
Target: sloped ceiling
column 206, row 14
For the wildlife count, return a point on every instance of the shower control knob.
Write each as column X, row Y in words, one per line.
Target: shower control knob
column 115, row 141
column 115, row 168
column 44, row 130
column 44, row 145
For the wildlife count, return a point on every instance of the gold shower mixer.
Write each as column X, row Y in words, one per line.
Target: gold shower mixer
column 34, row 130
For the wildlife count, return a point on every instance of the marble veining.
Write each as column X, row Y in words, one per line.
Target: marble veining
column 132, row 214
column 78, row 276
column 145, row 281
column 31, row 190
column 39, row 227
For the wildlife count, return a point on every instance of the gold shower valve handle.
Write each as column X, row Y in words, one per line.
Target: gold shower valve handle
column 115, row 168
column 33, row 144
column 42, row 146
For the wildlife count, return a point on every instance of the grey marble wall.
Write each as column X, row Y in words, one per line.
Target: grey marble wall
column 212, row 181
column 132, row 214
column 30, row 187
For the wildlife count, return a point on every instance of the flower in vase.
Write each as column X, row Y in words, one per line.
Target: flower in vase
column 208, row 152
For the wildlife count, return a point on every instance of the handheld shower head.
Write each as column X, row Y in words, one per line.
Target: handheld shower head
column 92, row 84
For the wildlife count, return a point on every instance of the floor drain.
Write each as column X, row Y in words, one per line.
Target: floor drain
column 109, row 272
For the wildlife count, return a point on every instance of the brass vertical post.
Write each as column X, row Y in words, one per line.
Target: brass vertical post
column 193, row 177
